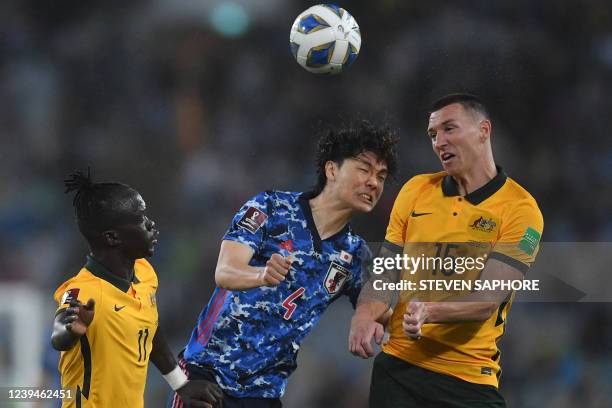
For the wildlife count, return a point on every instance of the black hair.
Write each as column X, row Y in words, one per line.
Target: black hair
column 356, row 138
column 97, row 205
column 469, row 102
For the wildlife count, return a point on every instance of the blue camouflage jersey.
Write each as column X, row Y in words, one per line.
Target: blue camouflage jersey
column 250, row 338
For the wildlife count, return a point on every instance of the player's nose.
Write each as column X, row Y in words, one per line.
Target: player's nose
column 440, row 140
column 373, row 182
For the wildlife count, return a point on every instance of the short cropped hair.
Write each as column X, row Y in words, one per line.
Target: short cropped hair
column 352, row 140
column 469, row 102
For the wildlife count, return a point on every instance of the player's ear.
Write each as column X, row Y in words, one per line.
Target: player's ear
column 485, row 130
column 331, row 168
column 111, row 238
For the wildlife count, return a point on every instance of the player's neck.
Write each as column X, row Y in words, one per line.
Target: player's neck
column 475, row 177
column 115, row 264
column 329, row 215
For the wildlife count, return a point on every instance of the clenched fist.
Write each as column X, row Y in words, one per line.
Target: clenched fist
column 275, row 270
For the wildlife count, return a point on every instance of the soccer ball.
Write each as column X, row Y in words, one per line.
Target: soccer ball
column 325, row 39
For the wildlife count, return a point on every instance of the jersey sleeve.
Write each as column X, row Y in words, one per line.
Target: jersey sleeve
column 404, row 204
column 76, row 289
column 249, row 224
column 353, row 288
column 519, row 242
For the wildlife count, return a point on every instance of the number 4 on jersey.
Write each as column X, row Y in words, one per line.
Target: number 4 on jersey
column 289, row 305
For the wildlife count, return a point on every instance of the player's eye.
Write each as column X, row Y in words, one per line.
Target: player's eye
column 362, row 169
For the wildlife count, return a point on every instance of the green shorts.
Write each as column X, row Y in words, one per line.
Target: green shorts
column 398, row 384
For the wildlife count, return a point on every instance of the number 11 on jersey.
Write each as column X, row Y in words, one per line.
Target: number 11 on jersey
column 289, row 305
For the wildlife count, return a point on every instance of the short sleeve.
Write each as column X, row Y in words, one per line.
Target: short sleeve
column 404, row 204
column 76, row 289
column 364, row 262
column 519, row 242
column 249, row 223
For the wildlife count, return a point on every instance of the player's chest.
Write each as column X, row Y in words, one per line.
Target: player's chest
column 320, row 269
column 128, row 313
column 452, row 219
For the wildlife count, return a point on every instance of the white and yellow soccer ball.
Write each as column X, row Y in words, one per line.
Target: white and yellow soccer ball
column 325, row 39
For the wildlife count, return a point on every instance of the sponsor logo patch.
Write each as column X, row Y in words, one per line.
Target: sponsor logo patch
column 529, row 242
column 335, row 278
column 486, row 371
column 252, row 220
column 70, row 295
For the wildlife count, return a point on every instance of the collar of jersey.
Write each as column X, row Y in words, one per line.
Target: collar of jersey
column 316, row 239
column 97, row 269
column 450, row 188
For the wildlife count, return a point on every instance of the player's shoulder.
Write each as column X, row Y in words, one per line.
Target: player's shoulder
column 274, row 197
column 518, row 194
column 280, row 195
column 82, row 279
column 284, row 202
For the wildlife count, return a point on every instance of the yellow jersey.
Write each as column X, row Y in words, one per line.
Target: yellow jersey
column 500, row 220
column 108, row 366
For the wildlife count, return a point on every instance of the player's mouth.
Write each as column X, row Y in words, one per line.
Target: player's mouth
column 368, row 198
column 446, row 157
column 153, row 240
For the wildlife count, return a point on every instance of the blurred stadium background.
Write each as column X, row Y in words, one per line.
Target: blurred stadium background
column 199, row 105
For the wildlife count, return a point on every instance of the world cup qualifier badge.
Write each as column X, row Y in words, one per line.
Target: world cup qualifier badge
column 252, row 220
column 70, row 295
column 335, row 278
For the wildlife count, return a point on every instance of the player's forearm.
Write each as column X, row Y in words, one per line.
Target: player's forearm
column 234, row 277
column 161, row 356
column 62, row 339
column 459, row 311
column 372, row 310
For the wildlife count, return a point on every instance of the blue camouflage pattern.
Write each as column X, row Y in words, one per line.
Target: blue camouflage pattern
column 251, row 338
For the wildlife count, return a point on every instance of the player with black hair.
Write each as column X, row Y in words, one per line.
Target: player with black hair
column 442, row 350
column 363, row 136
column 106, row 324
column 285, row 257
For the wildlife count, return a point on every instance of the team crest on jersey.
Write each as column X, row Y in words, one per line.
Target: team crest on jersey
column 483, row 224
column 70, row 295
column 252, row 220
column 335, row 278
